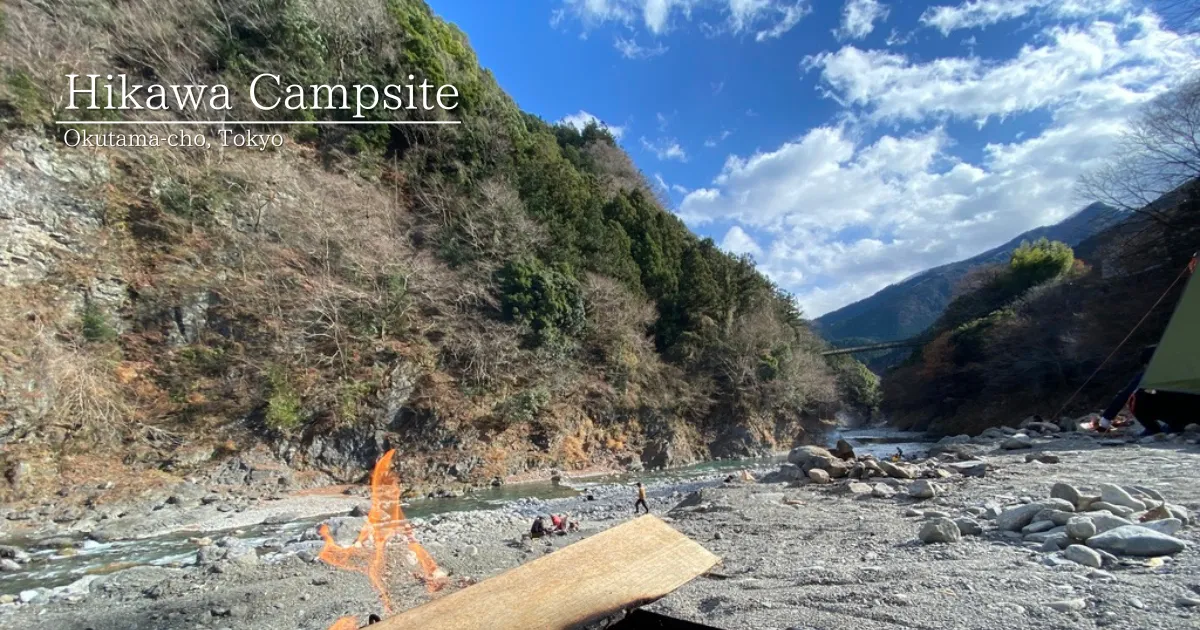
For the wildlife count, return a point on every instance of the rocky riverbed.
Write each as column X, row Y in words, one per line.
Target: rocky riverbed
column 971, row 540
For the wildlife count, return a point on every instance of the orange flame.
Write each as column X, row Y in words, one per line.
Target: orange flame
column 368, row 553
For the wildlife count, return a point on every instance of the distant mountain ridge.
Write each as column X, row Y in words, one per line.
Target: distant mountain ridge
column 907, row 308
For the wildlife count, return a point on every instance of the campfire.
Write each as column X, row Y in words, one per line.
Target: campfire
column 368, row 553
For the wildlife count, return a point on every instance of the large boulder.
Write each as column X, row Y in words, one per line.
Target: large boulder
column 923, row 489
column 808, row 457
column 969, row 468
column 838, row 469
column 898, row 471
column 1014, row 519
column 789, row 472
column 1018, row 441
column 1066, row 492
column 857, row 487
column 658, row 454
column 1116, row 495
column 1134, row 540
column 956, row 451
column 1168, row 526
column 1083, row 555
column 843, row 450
column 1112, row 508
column 1081, row 528
column 1058, row 517
column 939, row 530
column 1167, row 510
column 1105, row 521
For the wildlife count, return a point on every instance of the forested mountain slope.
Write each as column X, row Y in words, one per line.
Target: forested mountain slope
column 906, row 309
column 1059, row 332
column 1015, row 343
column 489, row 297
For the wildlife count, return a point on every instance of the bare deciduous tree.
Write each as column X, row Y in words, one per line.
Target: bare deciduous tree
column 1154, row 159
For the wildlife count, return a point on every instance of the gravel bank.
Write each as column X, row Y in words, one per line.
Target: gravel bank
column 795, row 556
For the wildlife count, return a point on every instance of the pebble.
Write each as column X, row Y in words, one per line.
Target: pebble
column 969, row 526
column 1068, row 605
column 1188, row 602
column 882, row 491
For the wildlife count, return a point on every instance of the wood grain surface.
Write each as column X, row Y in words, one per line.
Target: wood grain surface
column 626, row 566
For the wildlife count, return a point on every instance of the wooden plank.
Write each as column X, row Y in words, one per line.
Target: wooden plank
column 623, row 567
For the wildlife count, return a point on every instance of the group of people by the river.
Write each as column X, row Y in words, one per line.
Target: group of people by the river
column 562, row 524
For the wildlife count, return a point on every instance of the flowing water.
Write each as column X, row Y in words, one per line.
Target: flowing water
column 56, row 567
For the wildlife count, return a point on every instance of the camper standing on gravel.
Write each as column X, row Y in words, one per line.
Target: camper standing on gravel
column 641, row 500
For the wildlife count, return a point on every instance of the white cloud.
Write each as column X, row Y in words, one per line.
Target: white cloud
column 859, row 17
column 1099, row 61
column 788, row 16
column 665, row 149
column 766, row 19
column 842, row 211
column 718, row 139
column 979, row 13
column 630, row 49
column 583, row 119
column 661, row 183
column 737, row 241
column 895, row 38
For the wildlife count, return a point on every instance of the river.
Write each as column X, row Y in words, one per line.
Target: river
column 51, row 567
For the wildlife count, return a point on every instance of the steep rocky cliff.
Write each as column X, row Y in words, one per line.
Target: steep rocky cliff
column 496, row 297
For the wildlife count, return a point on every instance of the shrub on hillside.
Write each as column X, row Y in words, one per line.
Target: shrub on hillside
column 1034, row 263
column 94, row 324
column 283, row 402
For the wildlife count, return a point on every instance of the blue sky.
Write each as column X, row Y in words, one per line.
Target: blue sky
column 845, row 144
